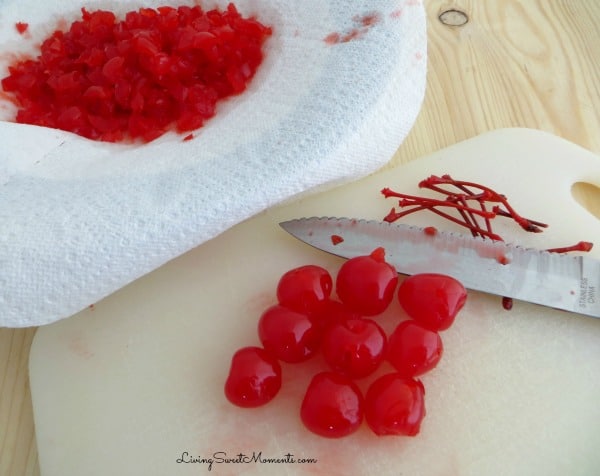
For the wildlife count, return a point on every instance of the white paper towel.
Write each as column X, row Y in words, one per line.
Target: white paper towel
column 80, row 219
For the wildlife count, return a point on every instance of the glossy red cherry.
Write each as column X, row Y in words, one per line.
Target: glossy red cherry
column 413, row 349
column 354, row 347
column 366, row 284
column 332, row 312
column 254, row 378
column 332, row 406
column 288, row 335
column 304, row 288
column 433, row 300
column 395, row 405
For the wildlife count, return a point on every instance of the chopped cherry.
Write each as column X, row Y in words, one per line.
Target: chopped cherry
column 413, row 349
column 394, row 405
column 332, row 406
column 367, row 283
column 303, row 289
column 354, row 347
column 254, row 378
column 433, row 300
column 155, row 70
column 289, row 335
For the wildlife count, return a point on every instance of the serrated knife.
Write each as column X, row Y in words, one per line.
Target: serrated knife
column 561, row 281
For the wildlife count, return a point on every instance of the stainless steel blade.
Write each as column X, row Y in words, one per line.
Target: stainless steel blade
column 561, row 281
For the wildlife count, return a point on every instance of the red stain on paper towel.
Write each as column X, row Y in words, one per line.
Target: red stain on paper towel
column 367, row 20
column 332, row 38
column 363, row 23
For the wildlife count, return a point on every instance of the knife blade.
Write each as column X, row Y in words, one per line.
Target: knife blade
column 560, row 281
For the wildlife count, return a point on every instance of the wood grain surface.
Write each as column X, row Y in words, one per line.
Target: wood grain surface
column 492, row 64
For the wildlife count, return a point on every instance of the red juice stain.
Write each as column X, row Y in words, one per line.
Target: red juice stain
column 363, row 23
column 336, row 239
column 396, row 13
column 368, row 20
column 62, row 24
column 352, row 35
column 9, row 98
column 332, row 38
column 503, row 259
column 430, row 230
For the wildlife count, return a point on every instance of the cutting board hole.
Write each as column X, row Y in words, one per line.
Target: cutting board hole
column 588, row 196
column 453, row 17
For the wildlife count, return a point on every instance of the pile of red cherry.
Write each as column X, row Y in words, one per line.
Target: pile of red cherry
column 307, row 320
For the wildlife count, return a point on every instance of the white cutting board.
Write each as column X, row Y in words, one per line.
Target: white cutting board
column 126, row 387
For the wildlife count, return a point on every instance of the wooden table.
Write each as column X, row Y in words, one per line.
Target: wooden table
column 492, row 64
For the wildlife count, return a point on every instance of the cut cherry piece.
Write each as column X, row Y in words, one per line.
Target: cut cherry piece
column 21, row 27
column 433, row 300
column 395, row 405
column 304, row 288
column 332, row 406
column 366, row 284
column 254, row 378
column 413, row 349
column 155, row 70
column 354, row 347
column 288, row 335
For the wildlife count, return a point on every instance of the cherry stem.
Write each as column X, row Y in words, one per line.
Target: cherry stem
column 487, row 193
column 393, row 215
column 468, row 193
column 581, row 246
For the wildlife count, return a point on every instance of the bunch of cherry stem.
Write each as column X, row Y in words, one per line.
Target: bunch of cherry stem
column 470, row 205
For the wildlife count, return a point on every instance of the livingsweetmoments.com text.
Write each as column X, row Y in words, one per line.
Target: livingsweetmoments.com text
column 221, row 457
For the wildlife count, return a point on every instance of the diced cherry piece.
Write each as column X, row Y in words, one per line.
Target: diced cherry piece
column 367, row 283
column 304, row 288
column 134, row 71
column 21, row 27
column 332, row 406
column 354, row 347
column 433, row 300
column 113, row 68
column 395, row 405
column 289, row 335
column 254, row 378
column 414, row 349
